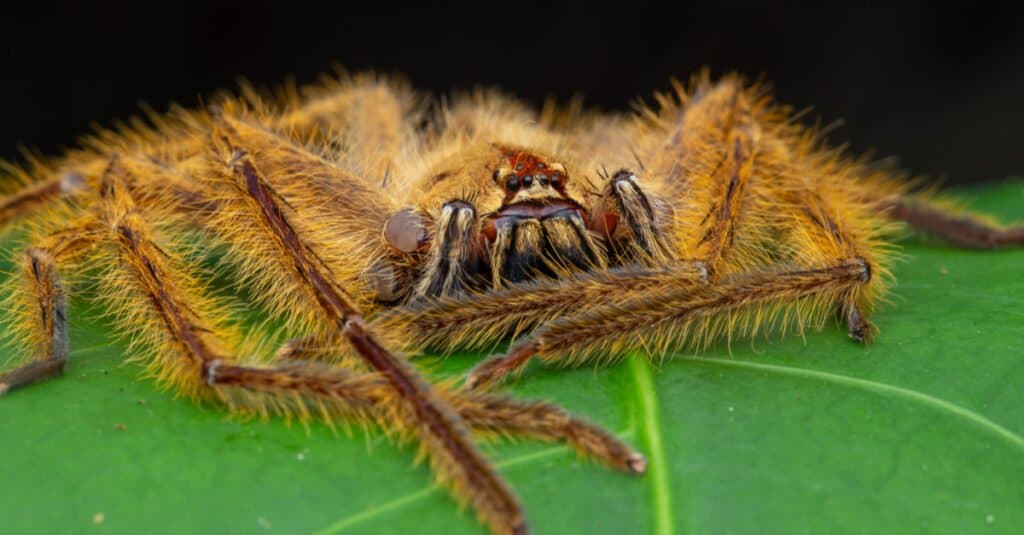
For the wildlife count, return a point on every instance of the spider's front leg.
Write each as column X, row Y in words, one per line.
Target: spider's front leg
column 676, row 313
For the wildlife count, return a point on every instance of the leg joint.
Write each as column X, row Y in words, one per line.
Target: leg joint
column 210, row 370
column 866, row 271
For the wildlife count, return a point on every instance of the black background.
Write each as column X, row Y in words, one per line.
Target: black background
column 940, row 88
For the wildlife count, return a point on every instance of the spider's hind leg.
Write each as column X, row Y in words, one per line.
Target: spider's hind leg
column 38, row 194
column 40, row 303
column 961, row 229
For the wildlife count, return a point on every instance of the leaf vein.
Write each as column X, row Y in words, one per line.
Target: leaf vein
column 413, row 497
column 936, row 403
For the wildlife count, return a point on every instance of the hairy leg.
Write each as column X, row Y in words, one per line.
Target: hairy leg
column 41, row 305
column 631, row 223
column 820, row 231
column 961, row 229
column 703, row 163
column 483, row 319
column 494, row 413
column 238, row 160
column 181, row 135
column 39, row 194
column 674, row 314
column 368, row 117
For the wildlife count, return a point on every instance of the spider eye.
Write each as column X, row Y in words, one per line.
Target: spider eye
column 497, row 173
column 512, row 183
column 557, row 181
column 527, row 181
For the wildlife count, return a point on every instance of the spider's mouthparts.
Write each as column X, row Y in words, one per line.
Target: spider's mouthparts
column 532, row 210
column 538, row 209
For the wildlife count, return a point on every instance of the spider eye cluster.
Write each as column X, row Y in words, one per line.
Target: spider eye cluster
column 522, row 170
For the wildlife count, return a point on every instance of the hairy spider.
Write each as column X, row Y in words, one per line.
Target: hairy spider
column 370, row 226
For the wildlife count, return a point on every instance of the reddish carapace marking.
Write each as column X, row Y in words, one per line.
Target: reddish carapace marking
column 523, row 163
column 526, row 168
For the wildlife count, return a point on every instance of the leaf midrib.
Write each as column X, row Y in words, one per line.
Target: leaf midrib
column 649, row 424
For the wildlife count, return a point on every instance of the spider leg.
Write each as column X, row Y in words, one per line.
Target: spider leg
column 820, row 231
column 327, row 348
column 482, row 319
column 42, row 302
column 499, row 414
column 368, row 109
column 744, row 173
column 672, row 314
column 166, row 189
column 961, row 229
column 239, row 156
column 547, row 422
column 368, row 115
column 39, row 194
column 705, row 164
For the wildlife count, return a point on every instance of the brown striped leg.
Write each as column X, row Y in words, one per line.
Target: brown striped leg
column 481, row 319
column 39, row 194
column 730, row 180
column 317, row 348
column 438, row 427
column 833, row 237
column 45, row 305
column 499, row 414
column 672, row 312
column 709, row 159
column 545, row 421
column 963, row 230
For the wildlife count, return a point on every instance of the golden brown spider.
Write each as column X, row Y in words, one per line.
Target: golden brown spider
column 454, row 228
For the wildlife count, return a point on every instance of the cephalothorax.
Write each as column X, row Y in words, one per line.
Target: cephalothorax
column 372, row 226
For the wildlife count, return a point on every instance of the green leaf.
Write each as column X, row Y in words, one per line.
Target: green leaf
column 921, row 431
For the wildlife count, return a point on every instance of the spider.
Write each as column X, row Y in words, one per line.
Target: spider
column 369, row 225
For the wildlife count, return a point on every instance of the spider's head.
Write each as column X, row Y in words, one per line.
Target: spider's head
column 540, row 227
column 526, row 177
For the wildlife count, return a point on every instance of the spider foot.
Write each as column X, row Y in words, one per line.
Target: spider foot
column 33, row 372
column 858, row 327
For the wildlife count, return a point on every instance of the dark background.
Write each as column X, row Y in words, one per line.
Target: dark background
column 940, row 88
